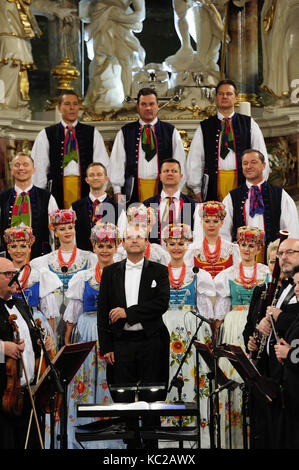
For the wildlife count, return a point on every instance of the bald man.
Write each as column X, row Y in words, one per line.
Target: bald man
column 13, row 428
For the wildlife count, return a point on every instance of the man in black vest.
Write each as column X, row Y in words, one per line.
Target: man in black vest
column 170, row 205
column 63, row 151
column 27, row 204
column 258, row 203
column 217, row 146
column 97, row 206
column 139, row 149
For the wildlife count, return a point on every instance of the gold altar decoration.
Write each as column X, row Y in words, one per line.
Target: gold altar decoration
column 65, row 73
column 282, row 162
column 253, row 98
column 171, row 111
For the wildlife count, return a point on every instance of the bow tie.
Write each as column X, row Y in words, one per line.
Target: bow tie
column 133, row 266
column 256, row 201
column 286, row 282
column 9, row 303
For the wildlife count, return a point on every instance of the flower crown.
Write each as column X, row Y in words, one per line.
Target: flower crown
column 60, row 217
column 212, row 209
column 180, row 231
column 140, row 213
column 250, row 234
column 19, row 233
column 101, row 232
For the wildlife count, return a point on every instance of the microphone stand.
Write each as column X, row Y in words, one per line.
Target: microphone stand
column 179, row 383
column 60, row 326
column 55, row 383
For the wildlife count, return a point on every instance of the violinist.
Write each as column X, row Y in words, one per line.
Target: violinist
column 13, row 428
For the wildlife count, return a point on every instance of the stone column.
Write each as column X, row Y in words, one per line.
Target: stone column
column 242, row 51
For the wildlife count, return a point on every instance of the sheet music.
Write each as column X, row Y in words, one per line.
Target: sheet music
column 137, row 405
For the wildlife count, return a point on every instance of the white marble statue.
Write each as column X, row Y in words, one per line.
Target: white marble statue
column 204, row 21
column 113, row 49
column 17, row 26
column 280, row 43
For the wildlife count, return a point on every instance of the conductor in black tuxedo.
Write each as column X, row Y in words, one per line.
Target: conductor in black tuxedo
column 97, row 206
column 134, row 294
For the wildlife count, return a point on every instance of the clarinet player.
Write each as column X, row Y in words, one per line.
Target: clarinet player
column 283, row 314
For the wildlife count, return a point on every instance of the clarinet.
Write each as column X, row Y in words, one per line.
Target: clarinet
column 268, row 298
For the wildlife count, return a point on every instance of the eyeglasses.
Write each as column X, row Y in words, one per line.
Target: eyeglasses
column 287, row 253
column 8, row 273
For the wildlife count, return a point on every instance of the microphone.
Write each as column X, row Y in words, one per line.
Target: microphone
column 15, row 277
column 196, row 314
column 195, row 269
column 232, row 384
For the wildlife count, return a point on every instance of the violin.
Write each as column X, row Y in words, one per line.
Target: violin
column 13, row 398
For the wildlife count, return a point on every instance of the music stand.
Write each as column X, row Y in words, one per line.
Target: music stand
column 254, row 382
column 67, row 362
column 137, row 388
column 220, row 380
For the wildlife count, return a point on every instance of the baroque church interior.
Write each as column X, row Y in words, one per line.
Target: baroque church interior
column 259, row 52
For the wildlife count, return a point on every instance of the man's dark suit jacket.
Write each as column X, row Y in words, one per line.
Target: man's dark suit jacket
column 186, row 215
column 152, row 301
column 39, row 199
column 83, row 209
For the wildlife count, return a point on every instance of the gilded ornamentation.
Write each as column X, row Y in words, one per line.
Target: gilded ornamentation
column 65, row 73
column 171, row 111
column 269, row 17
column 282, row 162
column 28, row 21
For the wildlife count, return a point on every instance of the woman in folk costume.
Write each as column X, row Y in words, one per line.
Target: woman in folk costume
column 234, row 287
column 210, row 251
column 64, row 262
column 188, row 291
column 37, row 285
column 139, row 214
column 89, row 384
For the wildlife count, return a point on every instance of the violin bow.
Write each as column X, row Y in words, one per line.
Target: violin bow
column 39, row 325
column 12, row 319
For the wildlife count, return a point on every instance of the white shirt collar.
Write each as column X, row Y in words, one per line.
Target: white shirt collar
column 19, row 190
column 72, row 125
column 134, row 265
column 99, row 198
column 145, row 123
column 251, row 184
column 220, row 116
column 175, row 195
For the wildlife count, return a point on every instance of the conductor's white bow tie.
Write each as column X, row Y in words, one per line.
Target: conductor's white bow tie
column 134, row 266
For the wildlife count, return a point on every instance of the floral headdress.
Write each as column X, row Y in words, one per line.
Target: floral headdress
column 212, row 209
column 178, row 231
column 140, row 214
column 60, row 217
column 250, row 234
column 101, row 232
column 19, row 233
